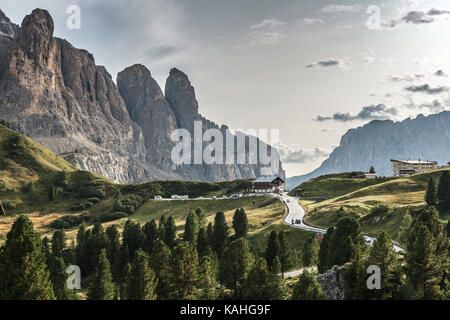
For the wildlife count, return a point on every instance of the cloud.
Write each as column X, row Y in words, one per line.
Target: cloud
column 404, row 78
column 258, row 38
column 417, row 18
column 328, row 130
column 433, row 106
column 310, row 21
column 437, row 12
column 440, row 73
column 265, row 33
column 332, row 8
column 372, row 112
column 268, row 24
column 326, row 63
column 300, row 155
column 427, row 89
column 369, row 59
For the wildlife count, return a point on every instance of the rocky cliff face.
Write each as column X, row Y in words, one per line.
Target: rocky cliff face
column 333, row 283
column 57, row 95
column 376, row 143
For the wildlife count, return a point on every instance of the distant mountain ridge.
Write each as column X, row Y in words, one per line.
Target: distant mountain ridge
column 377, row 142
column 55, row 94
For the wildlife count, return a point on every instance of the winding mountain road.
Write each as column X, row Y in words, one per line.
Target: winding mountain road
column 296, row 215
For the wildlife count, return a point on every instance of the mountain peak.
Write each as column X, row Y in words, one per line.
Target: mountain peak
column 136, row 69
column 37, row 25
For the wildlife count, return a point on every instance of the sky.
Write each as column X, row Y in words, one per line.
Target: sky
column 311, row 69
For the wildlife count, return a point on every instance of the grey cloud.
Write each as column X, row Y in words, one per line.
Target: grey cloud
column 310, row 21
column 162, row 52
column 372, row 112
column 437, row 12
column 289, row 155
column 417, row 17
column 427, row 89
column 268, row 24
column 406, row 78
column 333, row 8
column 434, row 106
column 325, row 63
column 440, row 73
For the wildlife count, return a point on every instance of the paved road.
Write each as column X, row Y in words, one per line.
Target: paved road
column 296, row 213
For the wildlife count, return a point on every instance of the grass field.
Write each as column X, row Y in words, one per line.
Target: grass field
column 335, row 185
column 404, row 196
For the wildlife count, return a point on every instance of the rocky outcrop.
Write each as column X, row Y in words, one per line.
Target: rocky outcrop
column 376, row 143
column 57, row 95
column 333, row 283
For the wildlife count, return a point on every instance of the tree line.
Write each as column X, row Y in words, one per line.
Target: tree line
column 146, row 262
column 420, row 272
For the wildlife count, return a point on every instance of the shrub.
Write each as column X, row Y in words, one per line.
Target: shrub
column 67, row 222
column 129, row 209
column 94, row 200
column 111, row 216
column 9, row 205
column 87, row 204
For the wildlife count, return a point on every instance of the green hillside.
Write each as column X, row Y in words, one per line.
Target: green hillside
column 55, row 194
column 388, row 205
column 334, row 185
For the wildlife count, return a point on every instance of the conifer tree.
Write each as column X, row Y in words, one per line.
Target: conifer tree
column 307, row 288
column 208, row 278
column 58, row 242
column 240, row 223
column 161, row 228
column 113, row 251
column 184, row 272
column 287, row 256
column 24, row 274
column 262, row 284
column 310, row 251
column 160, row 262
column 201, row 217
column 59, row 276
column 151, row 233
column 272, row 250
column 322, row 264
column 220, row 233
column 102, row 287
column 202, row 242
column 235, row 265
column 356, row 273
column 132, row 237
column 191, row 228
column 431, row 194
column 382, row 255
column 170, row 232
column 125, row 279
column 444, row 190
column 209, row 232
column 341, row 245
column 426, row 256
column 142, row 281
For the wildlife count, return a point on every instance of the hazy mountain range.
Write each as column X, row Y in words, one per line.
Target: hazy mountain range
column 376, row 143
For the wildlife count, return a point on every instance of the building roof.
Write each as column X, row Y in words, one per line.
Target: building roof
column 414, row 161
column 266, row 179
